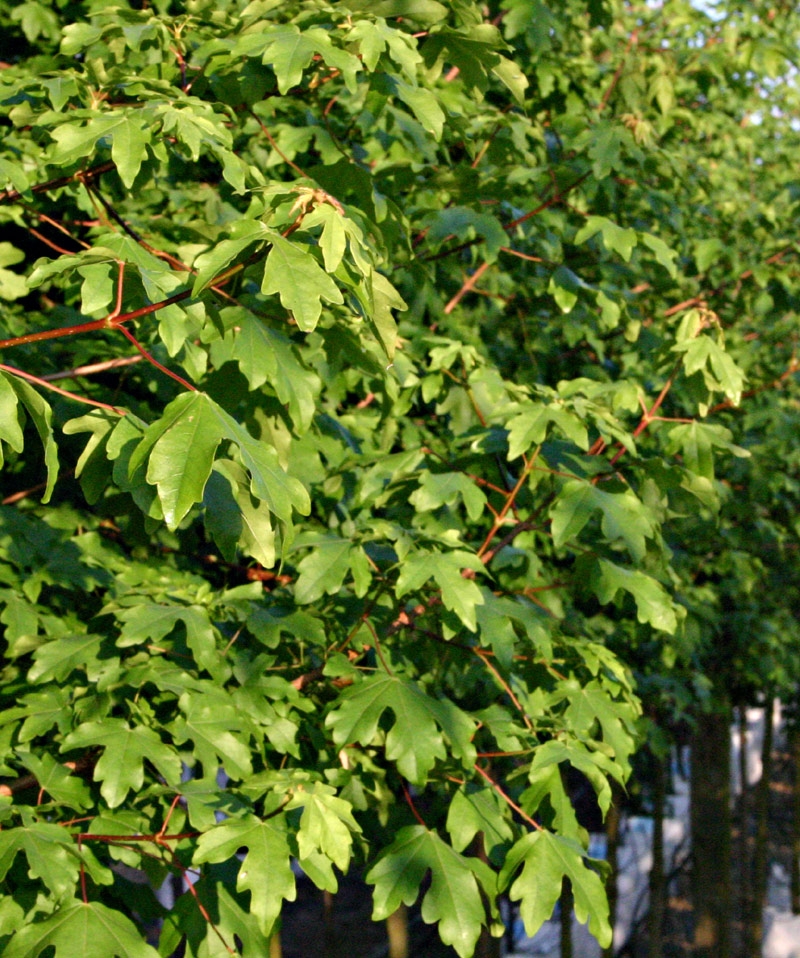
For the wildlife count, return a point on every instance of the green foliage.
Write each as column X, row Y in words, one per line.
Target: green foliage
column 440, row 373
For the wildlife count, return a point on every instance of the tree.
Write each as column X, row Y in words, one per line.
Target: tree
column 402, row 376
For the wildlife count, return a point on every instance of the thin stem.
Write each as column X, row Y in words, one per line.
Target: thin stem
column 647, row 418
column 507, row 799
column 275, row 146
column 378, row 649
column 467, row 286
column 151, row 359
column 93, row 368
column 11, row 196
column 618, row 72
column 508, row 504
column 506, row 688
column 412, row 806
column 62, row 392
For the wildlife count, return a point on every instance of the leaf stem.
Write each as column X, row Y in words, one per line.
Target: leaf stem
column 151, row 359
column 507, row 798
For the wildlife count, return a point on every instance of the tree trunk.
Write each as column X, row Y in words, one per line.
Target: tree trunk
column 566, row 919
column 743, row 819
column 758, row 883
column 795, row 842
column 397, row 932
column 329, row 930
column 711, row 834
column 657, row 881
column 488, row 947
column 612, row 845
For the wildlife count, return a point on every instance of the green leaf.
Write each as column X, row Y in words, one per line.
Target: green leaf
column 424, row 106
column 129, row 149
column 385, row 299
column 292, row 272
column 181, row 472
column 326, row 825
column 417, row 737
column 55, row 660
column 476, row 810
column 41, row 415
column 592, row 706
column 211, row 721
column 720, row 372
column 615, row 238
column 453, row 898
column 121, row 766
column 12, row 285
column 546, row 859
column 653, row 603
column 697, row 441
column 264, row 355
column 530, row 427
column 90, row 929
column 446, row 488
column 665, row 256
column 56, row 780
column 211, row 264
column 232, row 919
column 151, row 621
column 707, row 252
column 423, row 11
column 595, row 764
column 512, row 76
column 289, row 53
column 547, row 782
column 181, row 458
column 564, row 287
column 10, row 430
column 459, row 594
column 462, row 221
column 323, row 570
column 266, row 870
column 234, row 518
column 624, row 516
column 49, row 851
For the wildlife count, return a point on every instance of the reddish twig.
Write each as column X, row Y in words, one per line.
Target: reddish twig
column 506, row 688
column 62, row 392
column 617, row 73
column 507, row 798
column 412, row 806
column 151, row 359
column 92, row 368
column 466, row 287
column 11, row 196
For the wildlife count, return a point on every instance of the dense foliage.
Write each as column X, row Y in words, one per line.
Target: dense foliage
column 437, row 369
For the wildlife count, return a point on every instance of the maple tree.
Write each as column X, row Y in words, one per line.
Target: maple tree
column 369, row 411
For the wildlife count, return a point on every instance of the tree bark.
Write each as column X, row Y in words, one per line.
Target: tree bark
column 397, row 932
column 657, row 880
column 711, row 833
column 612, row 846
column 758, row 883
column 795, row 842
column 328, row 925
column 743, row 817
column 566, row 919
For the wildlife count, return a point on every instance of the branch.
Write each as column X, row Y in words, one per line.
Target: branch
column 507, row 799
column 62, row 392
column 11, row 196
column 93, row 368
